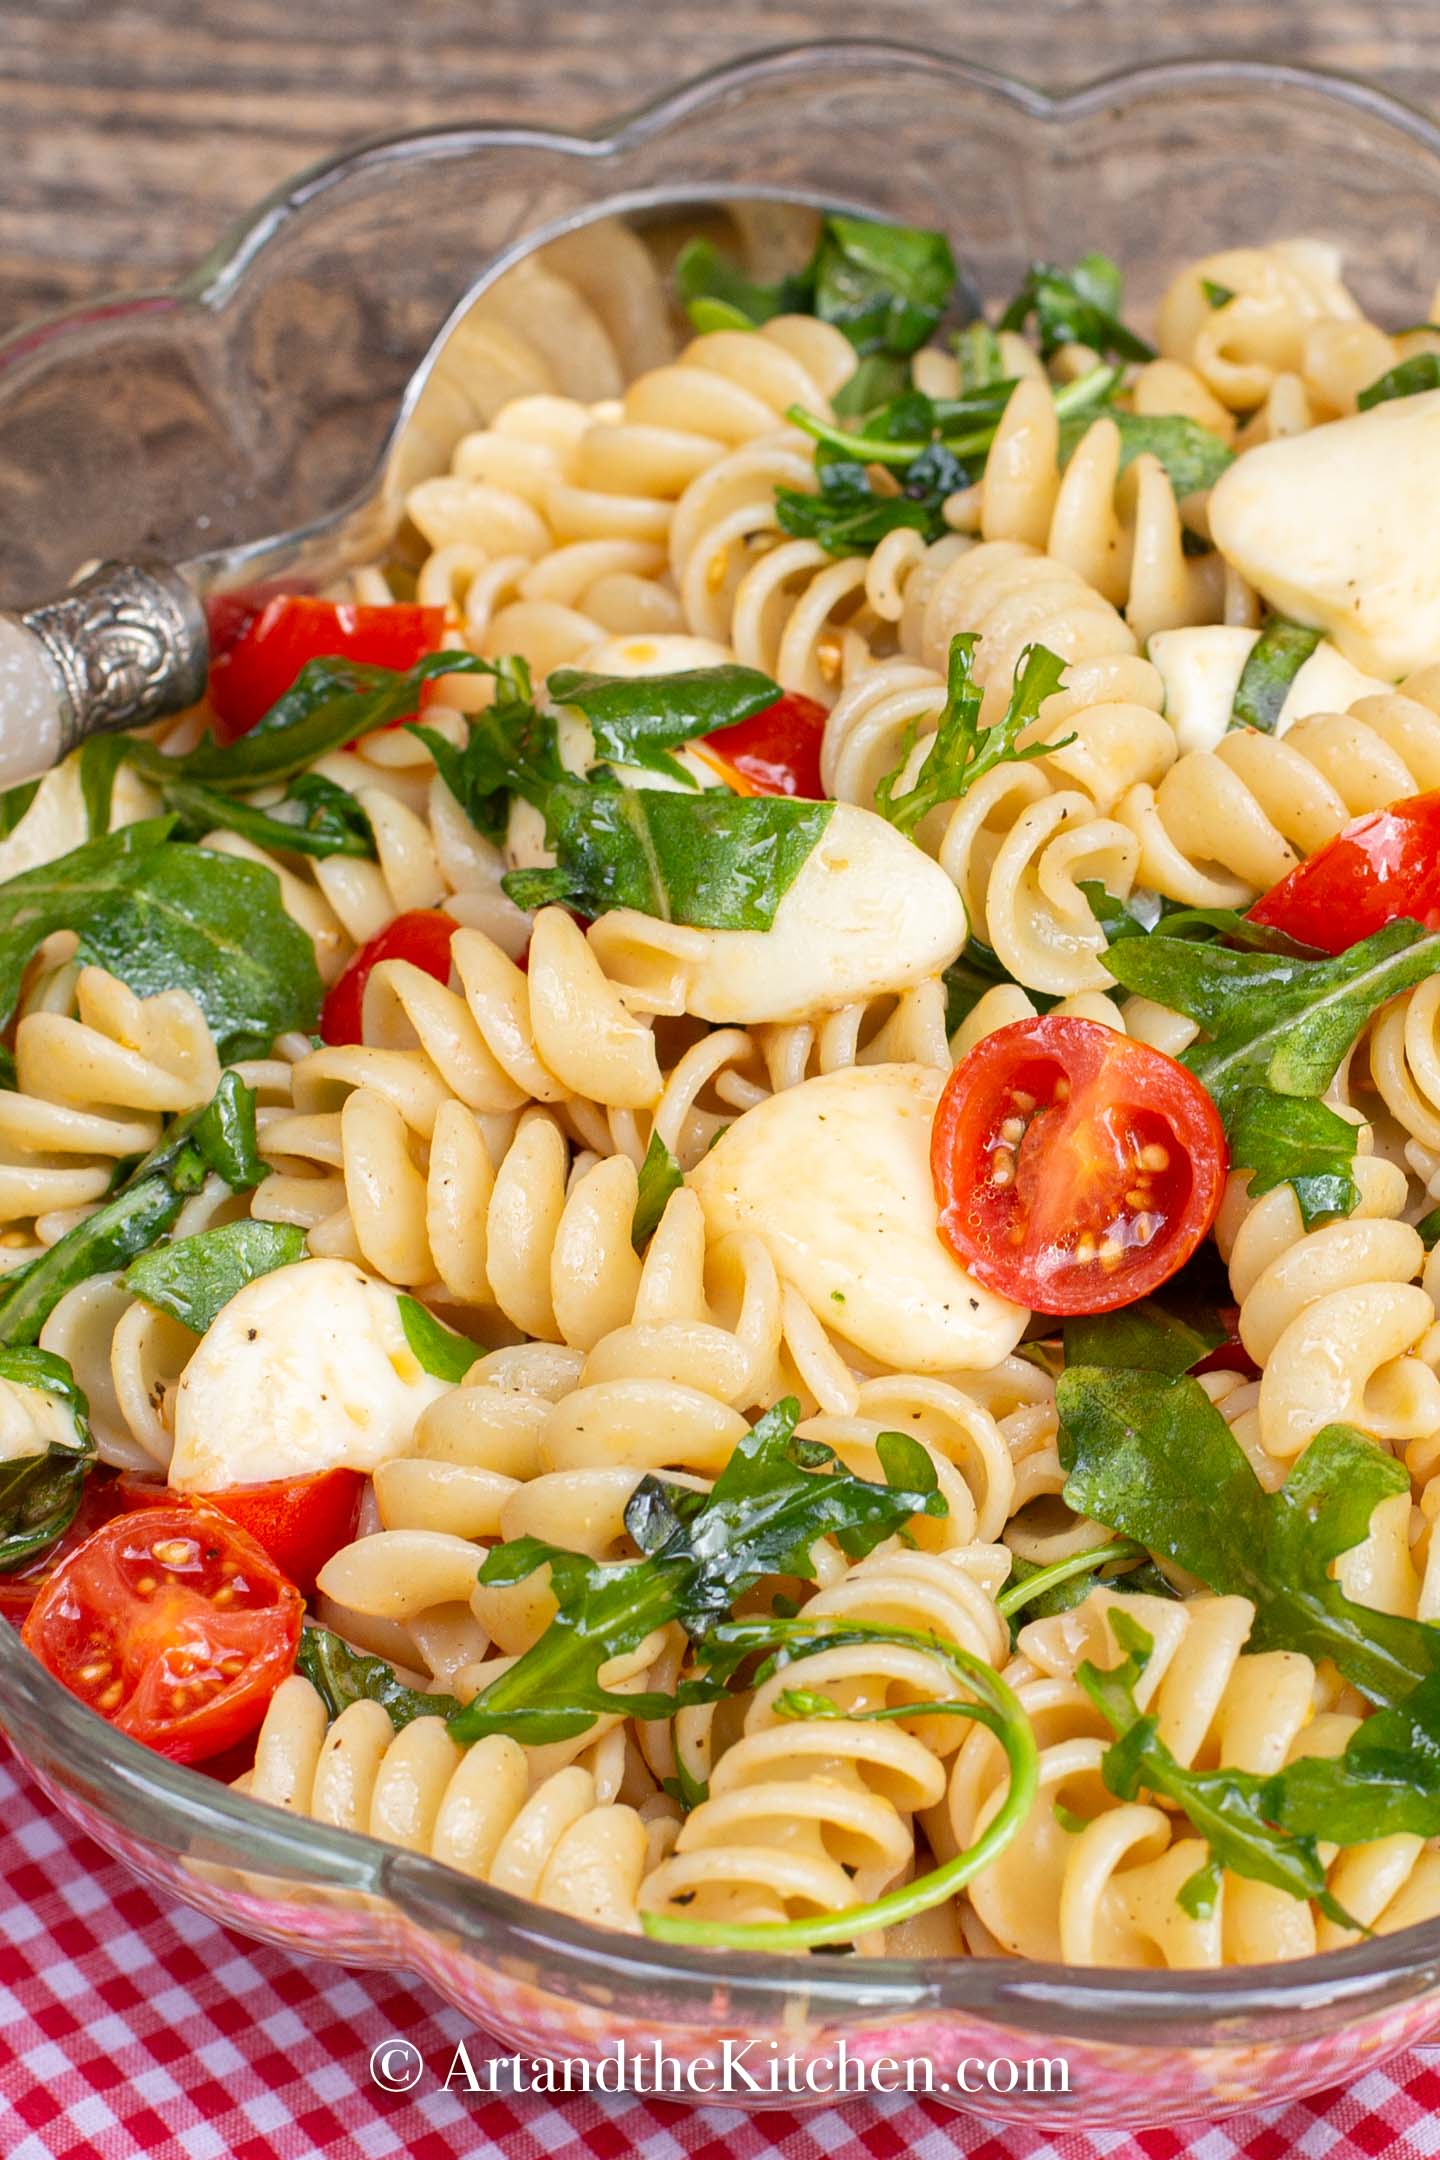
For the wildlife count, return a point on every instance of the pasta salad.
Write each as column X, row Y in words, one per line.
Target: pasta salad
column 721, row 1197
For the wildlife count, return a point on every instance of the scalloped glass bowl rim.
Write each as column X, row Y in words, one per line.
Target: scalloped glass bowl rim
column 189, row 1811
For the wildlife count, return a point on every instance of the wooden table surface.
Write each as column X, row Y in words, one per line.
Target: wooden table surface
column 135, row 133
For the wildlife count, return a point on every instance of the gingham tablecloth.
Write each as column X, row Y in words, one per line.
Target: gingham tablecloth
column 132, row 2028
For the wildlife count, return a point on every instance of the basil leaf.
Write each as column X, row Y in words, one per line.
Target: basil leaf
column 1218, row 295
column 14, row 803
column 1142, row 1337
column 323, row 819
column 1149, row 1455
column 192, row 1278
column 510, row 750
column 714, row 860
column 39, row 1494
column 660, row 1175
column 1270, row 668
column 190, row 919
column 1289, row 1139
column 218, row 1137
column 961, row 751
column 101, row 757
column 63, row 895
column 439, row 1349
column 635, row 719
column 1408, row 379
column 1273, row 1019
column 341, row 1676
column 885, row 286
column 1428, row 1229
column 765, row 1512
column 1078, row 307
column 1230, row 1808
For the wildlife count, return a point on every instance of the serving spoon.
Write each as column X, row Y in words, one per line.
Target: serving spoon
column 128, row 642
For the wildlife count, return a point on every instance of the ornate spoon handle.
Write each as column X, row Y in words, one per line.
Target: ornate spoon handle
column 126, row 645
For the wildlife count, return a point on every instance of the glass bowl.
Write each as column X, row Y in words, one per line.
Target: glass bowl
column 256, row 395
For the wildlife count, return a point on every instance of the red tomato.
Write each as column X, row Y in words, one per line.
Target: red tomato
column 259, row 651
column 1382, row 866
column 421, row 936
column 100, row 1500
column 1075, row 1170
column 173, row 1625
column 776, row 752
column 299, row 1521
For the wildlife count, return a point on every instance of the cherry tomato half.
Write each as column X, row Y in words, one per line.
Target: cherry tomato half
column 258, row 652
column 298, row 1521
column 100, row 1500
column 1376, row 869
column 173, row 1625
column 775, row 752
column 1075, row 1170
column 422, row 936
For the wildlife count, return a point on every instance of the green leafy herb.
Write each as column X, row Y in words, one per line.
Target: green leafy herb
column 1149, row 1456
column 1295, row 1140
column 1428, row 1229
column 1063, row 1583
column 1193, row 456
column 190, row 919
column 1230, row 1808
column 876, row 379
column 192, row 1278
column 978, row 351
column 63, row 894
column 713, row 860
column 1143, row 1337
column 14, row 803
column 1273, row 1019
column 775, row 1497
column 315, row 817
column 40, row 1493
column 1270, row 668
column 439, row 1349
column 637, row 719
column 101, row 757
column 961, row 750
column 885, row 286
column 1078, row 307
column 341, row 1676
column 510, row 750
column 1420, row 372
column 1218, row 295
column 660, row 1175
column 1387, row 1782
column 220, row 1138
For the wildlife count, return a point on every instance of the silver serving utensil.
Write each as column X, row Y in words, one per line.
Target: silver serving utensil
column 128, row 643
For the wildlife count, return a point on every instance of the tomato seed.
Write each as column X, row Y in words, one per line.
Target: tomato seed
column 110, row 1700
column 1154, row 1157
column 175, row 1552
column 1013, row 1130
column 1002, row 1167
column 91, row 1673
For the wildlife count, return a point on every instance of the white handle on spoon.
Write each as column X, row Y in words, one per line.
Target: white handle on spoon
column 126, row 645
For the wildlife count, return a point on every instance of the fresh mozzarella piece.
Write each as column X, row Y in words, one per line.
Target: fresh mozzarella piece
column 833, row 1178
column 56, row 820
column 305, row 1369
column 1336, row 528
column 32, row 1421
column 1201, row 670
column 867, row 914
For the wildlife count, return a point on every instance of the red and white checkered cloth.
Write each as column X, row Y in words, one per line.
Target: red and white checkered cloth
column 133, row 2029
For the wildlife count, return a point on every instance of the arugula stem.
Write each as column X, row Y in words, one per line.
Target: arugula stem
column 1059, row 1571
column 997, row 1710
column 1072, row 397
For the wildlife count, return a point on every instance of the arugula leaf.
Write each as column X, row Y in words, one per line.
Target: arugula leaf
column 1150, row 1456
column 660, row 1175
column 1428, row 1229
column 330, row 703
column 1062, row 1584
column 636, row 719
column 191, row 919
column 1143, row 1337
column 219, row 1138
column 1273, row 1019
column 877, row 378
column 1295, row 1140
column 961, row 750
column 15, row 802
column 1218, row 295
column 770, row 1504
column 1230, row 1808
column 851, row 515
column 510, row 749
column 315, row 817
column 885, row 286
column 1078, row 307
column 192, row 1278
column 39, row 1494
column 1387, row 1782
column 978, row 351
column 1271, row 666
column 341, row 1676
column 101, row 757
column 1420, row 372
column 63, row 894
column 439, row 1349
column 1193, row 456
column 713, row 860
